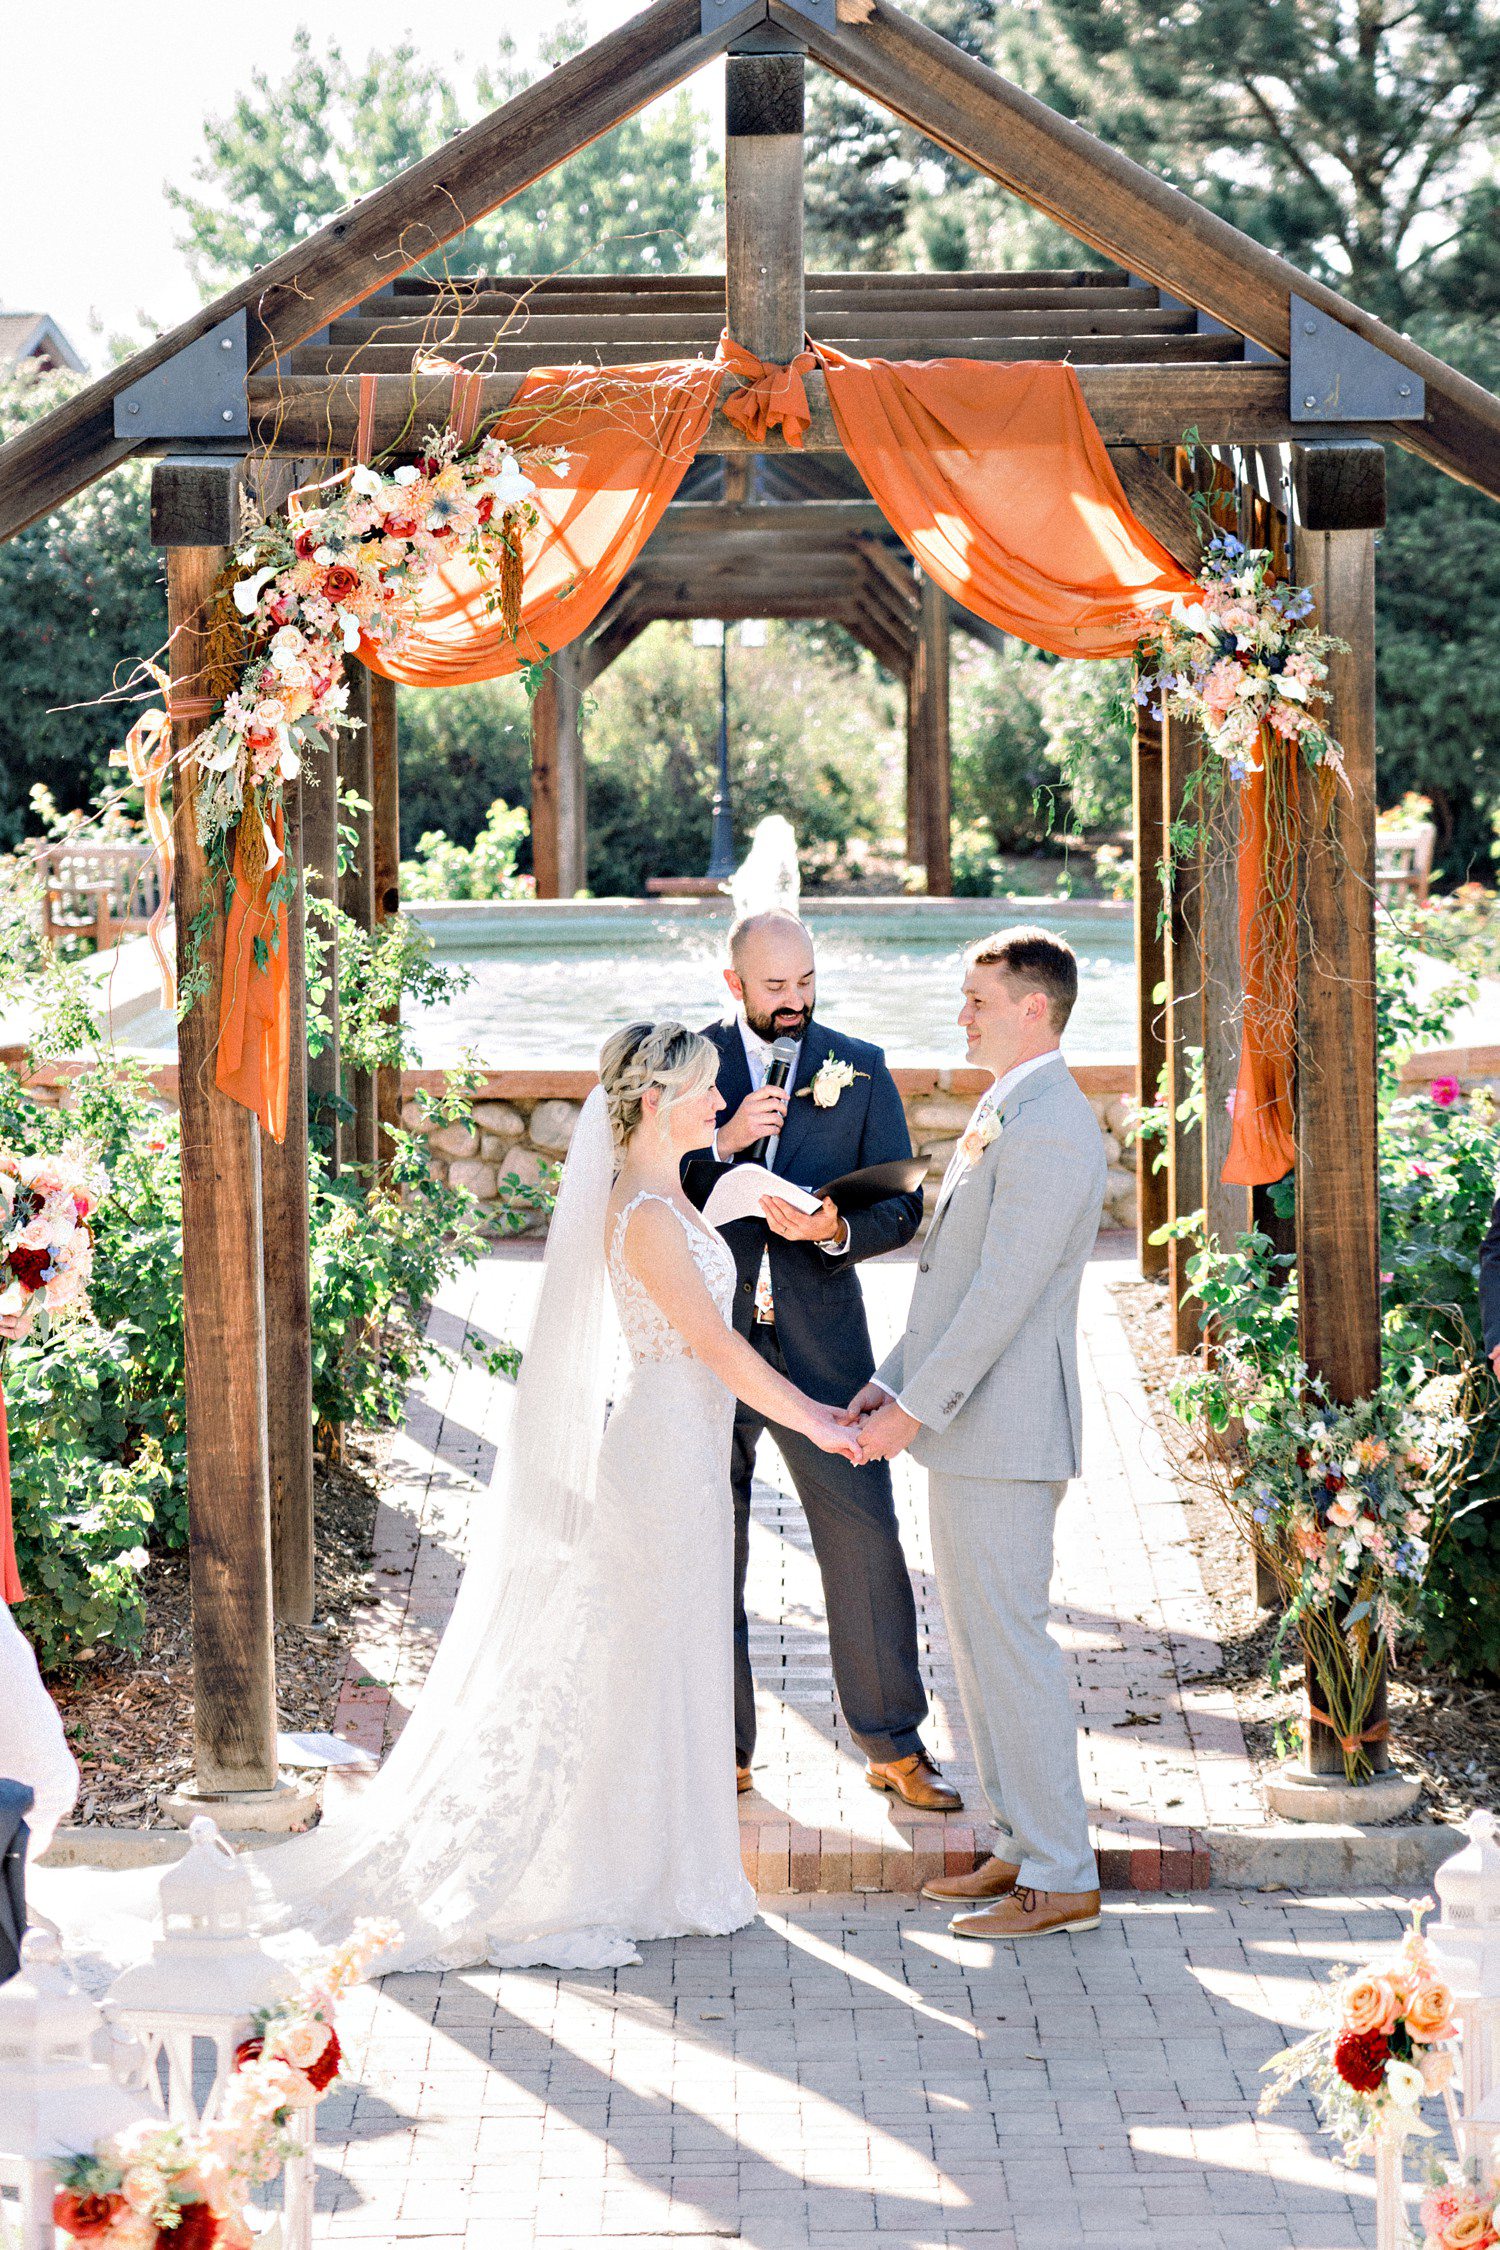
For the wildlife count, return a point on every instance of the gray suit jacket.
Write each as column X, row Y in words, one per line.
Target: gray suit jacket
column 989, row 1360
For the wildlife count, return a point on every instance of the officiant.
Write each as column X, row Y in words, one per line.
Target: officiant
column 798, row 1301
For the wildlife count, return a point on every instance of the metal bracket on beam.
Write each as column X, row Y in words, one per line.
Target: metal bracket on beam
column 1336, row 376
column 714, row 14
column 198, row 393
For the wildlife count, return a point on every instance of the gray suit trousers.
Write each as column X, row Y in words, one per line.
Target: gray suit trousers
column 992, row 1542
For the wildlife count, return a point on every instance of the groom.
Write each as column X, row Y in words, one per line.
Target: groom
column 984, row 1389
column 798, row 1300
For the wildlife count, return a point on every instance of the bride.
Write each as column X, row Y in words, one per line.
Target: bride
column 566, row 1783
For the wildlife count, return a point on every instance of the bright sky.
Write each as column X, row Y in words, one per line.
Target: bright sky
column 108, row 104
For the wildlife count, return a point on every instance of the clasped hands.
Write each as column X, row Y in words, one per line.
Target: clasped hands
column 874, row 1426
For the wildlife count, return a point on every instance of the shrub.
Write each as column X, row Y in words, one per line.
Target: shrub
column 484, row 869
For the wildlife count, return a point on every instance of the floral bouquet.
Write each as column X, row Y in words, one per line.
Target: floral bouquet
column 1377, row 2052
column 1462, row 2212
column 1241, row 660
column 46, row 1242
column 160, row 2186
column 304, row 589
column 1343, row 1503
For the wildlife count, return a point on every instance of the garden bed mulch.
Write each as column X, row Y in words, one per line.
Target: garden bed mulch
column 1445, row 1731
column 129, row 1719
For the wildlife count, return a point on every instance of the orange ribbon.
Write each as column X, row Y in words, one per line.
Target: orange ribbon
column 254, row 1055
column 146, row 754
column 771, row 393
column 1349, row 1743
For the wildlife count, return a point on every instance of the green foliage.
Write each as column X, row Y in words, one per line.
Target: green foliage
column 1040, row 748
column 484, row 869
column 81, row 600
column 290, row 155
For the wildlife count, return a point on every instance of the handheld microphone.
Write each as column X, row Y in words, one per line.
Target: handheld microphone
column 778, row 1071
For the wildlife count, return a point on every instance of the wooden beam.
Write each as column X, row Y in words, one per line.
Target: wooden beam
column 763, row 107
column 1151, row 1208
column 1158, row 503
column 1121, row 209
column 929, row 750
column 386, row 854
column 320, row 819
column 1132, row 405
column 1340, row 487
column 357, row 898
column 288, row 1297
column 559, row 836
column 693, row 519
column 229, row 1513
column 386, row 232
column 1182, row 754
column 1337, row 1186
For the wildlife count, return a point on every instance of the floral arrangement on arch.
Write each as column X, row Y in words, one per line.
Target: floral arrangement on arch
column 1343, row 1502
column 1378, row 2052
column 1241, row 659
column 46, row 1242
column 162, row 2186
column 305, row 588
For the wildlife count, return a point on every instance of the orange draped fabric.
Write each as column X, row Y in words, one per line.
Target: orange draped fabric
column 1262, row 1143
column 771, row 393
column 633, row 433
column 998, row 481
column 255, row 1016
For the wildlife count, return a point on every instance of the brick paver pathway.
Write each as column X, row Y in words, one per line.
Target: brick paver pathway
column 1163, row 1758
column 843, row 2074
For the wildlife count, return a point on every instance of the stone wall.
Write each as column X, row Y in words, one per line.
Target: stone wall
column 524, row 1120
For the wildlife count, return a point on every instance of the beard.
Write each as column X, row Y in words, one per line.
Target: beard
column 781, row 1023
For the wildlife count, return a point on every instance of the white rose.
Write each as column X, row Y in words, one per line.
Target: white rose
column 1404, row 2085
column 288, row 641
column 407, row 475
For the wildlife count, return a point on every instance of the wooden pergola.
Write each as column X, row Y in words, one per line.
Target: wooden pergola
column 1187, row 324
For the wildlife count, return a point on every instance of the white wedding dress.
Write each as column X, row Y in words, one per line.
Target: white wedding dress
column 565, row 1785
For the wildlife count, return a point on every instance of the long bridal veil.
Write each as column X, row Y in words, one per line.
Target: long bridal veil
column 451, row 1837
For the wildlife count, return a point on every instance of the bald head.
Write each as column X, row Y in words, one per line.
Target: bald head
column 771, row 973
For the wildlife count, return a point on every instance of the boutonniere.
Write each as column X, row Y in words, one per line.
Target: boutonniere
column 978, row 1138
column 830, row 1080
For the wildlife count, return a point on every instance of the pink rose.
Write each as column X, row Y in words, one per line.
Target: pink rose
column 1369, row 2004
column 1445, row 1092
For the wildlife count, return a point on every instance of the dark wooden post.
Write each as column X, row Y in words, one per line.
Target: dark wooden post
column 1181, row 758
column 1150, row 978
column 763, row 118
column 384, row 746
column 930, row 749
column 319, row 793
column 283, row 1190
column 1340, row 501
column 194, row 509
column 357, row 898
column 559, row 833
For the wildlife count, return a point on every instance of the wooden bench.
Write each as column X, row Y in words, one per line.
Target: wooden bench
column 103, row 891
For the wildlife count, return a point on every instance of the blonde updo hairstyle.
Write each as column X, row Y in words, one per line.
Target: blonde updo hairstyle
column 668, row 1055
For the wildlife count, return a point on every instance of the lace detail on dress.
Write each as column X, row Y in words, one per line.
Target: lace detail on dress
column 649, row 1335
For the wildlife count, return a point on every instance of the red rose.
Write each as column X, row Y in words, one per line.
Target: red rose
column 85, row 2217
column 29, row 1266
column 341, row 581
column 400, row 527
column 429, row 466
column 1333, row 1482
column 1360, row 2059
column 259, row 738
column 197, row 2228
column 486, row 506
column 303, row 545
column 1304, row 1458
column 321, row 2074
column 248, row 2051
column 282, row 610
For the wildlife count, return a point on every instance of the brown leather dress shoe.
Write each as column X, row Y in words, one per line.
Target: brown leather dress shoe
column 1026, row 1913
column 992, row 1878
column 744, row 1780
column 914, row 1780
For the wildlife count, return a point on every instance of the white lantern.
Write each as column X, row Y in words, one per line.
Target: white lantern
column 56, row 2101
column 1465, row 1941
column 207, row 1976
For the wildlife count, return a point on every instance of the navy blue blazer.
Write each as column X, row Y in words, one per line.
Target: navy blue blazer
column 820, row 1308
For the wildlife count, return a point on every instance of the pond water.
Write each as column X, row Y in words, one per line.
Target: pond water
column 548, row 985
column 550, row 979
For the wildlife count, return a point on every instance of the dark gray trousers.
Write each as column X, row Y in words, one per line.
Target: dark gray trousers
column 872, row 1618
